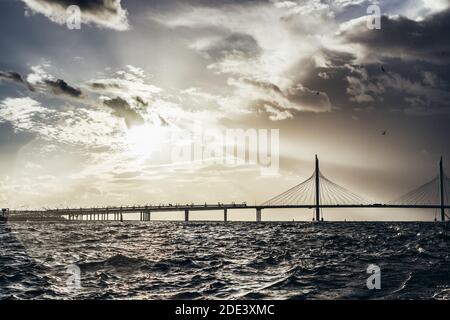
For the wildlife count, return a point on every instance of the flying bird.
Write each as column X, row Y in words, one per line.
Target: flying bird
column 384, row 133
column 317, row 92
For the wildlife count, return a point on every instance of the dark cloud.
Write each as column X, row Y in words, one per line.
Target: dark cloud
column 263, row 85
column 415, row 87
column 11, row 75
column 15, row 77
column 87, row 5
column 281, row 103
column 103, row 13
column 402, row 37
column 58, row 87
column 216, row 3
column 141, row 101
column 103, row 86
column 235, row 43
column 309, row 100
column 61, row 87
column 122, row 109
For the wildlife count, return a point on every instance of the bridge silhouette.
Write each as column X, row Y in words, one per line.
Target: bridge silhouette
column 317, row 193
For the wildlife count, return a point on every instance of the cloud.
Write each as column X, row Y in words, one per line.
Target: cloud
column 26, row 114
column 40, row 79
column 280, row 103
column 323, row 75
column 360, row 88
column 83, row 127
column 123, row 110
column 15, row 77
column 276, row 113
column 261, row 46
column 235, row 43
column 399, row 37
column 129, row 84
column 308, row 100
column 61, row 87
column 417, row 93
column 263, row 40
column 102, row 13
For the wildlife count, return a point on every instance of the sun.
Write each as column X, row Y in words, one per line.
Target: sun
column 145, row 139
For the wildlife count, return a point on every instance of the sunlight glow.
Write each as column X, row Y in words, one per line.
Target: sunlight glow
column 145, row 139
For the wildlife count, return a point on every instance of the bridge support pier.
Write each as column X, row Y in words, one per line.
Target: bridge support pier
column 145, row 215
column 225, row 215
column 258, row 214
column 186, row 215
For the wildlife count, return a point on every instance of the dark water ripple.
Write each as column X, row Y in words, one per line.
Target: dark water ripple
column 199, row 260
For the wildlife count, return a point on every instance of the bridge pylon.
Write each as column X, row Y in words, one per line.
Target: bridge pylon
column 317, row 191
column 441, row 188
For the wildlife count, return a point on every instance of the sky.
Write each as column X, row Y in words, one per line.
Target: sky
column 92, row 116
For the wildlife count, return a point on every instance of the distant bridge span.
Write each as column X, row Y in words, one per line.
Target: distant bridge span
column 317, row 192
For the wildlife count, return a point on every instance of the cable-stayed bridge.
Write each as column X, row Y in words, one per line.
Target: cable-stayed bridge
column 320, row 192
column 317, row 193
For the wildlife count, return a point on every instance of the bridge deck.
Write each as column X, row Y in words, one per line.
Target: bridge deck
column 111, row 210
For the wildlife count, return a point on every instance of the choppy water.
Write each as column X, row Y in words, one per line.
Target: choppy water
column 174, row 260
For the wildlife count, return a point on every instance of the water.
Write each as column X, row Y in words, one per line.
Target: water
column 207, row 260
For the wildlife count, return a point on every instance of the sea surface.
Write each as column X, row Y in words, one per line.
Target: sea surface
column 216, row 260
